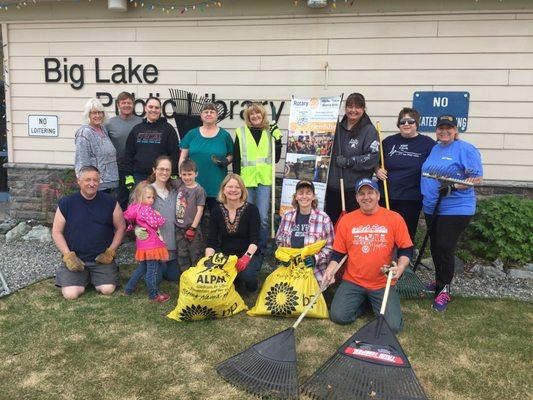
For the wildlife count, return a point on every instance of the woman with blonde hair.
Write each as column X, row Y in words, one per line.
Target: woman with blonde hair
column 252, row 160
column 234, row 230
column 94, row 148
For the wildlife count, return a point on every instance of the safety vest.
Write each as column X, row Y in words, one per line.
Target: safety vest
column 256, row 160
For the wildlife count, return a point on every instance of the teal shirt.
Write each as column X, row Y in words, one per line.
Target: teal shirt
column 201, row 149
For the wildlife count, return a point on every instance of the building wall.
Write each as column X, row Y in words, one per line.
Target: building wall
column 272, row 52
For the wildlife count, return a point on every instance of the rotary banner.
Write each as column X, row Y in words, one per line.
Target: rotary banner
column 312, row 124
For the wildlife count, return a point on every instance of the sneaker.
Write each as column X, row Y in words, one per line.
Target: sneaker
column 161, row 298
column 431, row 286
column 126, row 293
column 441, row 301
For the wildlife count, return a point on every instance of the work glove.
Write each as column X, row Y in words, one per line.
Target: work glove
column 273, row 128
column 106, row 257
column 72, row 262
column 446, row 190
column 310, row 261
column 190, row 234
column 345, row 162
column 141, row 233
column 221, row 162
column 243, row 262
column 129, row 182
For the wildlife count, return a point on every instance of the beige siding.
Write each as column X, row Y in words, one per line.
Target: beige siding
column 386, row 56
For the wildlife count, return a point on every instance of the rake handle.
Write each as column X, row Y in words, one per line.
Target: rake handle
column 316, row 296
column 385, row 186
column 386, row 294
column 431, row 226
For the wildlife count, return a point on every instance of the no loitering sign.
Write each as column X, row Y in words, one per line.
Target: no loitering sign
column 42, row 125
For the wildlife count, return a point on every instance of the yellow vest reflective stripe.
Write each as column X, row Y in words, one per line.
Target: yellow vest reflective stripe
column 256, row 160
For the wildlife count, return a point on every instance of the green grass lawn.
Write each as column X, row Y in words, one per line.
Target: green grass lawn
column 120, row 347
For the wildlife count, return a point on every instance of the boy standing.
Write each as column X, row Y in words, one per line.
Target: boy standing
column 190, row 203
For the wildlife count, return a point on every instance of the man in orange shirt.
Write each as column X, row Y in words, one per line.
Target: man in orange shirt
column 368, row 235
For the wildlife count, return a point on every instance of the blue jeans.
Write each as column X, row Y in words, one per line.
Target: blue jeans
column 260, row 196
column 345, row 307
column 151, row 271
column 249, row 275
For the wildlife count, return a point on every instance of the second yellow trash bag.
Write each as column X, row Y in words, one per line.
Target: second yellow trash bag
column 207, row 291
column 291, row 286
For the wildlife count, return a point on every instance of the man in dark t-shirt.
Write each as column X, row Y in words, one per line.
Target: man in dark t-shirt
column 88, row 228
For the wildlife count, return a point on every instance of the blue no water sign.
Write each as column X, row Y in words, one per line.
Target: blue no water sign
column 431, row 105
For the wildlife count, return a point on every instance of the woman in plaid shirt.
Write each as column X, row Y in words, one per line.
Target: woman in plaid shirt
column 304, row 225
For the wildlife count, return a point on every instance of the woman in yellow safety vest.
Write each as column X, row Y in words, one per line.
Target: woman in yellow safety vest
column 252, row 160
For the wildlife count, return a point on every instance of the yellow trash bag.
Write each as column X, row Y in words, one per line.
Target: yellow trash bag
column 207, row 291
column 291, row 286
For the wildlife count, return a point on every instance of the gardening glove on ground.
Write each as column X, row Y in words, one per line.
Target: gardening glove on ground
column 106, row 257
column 446, row 190
column 129, row 182
column 345, row 162
column 72, row 262
column 243, row 262
column 190, row 234
column 309, row 261
column 141, row 233
column 221, row 162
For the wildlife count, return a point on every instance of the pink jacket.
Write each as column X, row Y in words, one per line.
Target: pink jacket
column 145, row 216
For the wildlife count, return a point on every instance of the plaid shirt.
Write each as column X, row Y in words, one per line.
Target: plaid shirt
column 320, row 228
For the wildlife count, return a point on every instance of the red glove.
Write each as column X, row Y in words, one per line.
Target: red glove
column 190, row 234
column 243, row 262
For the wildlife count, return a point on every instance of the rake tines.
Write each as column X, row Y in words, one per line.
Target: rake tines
column 267, row 369
column 366, row 367
column 187, row 103
column 445, row 175
column 410, row 286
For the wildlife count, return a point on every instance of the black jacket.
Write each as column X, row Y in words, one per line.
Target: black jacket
column 146, row 142
column 361, row 144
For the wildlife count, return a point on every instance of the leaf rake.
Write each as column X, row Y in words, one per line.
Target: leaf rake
column 369, row 365
column 268, row 368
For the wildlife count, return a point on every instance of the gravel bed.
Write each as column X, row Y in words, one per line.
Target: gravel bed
column 25, row 262
column 468, row 285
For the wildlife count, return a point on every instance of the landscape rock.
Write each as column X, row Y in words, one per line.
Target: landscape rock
column 40, row 233
column 428, row 262
column 459, row 265
column 487, row 271
column 498, row 264
column 520, row 273
column 529, row 267
column 7, row 225
column 17, row 232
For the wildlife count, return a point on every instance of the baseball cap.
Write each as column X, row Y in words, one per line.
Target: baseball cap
column 448, row 120
column 366, row 182
column 305, row 184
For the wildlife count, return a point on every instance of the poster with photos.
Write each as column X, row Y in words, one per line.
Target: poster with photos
column 312, row 124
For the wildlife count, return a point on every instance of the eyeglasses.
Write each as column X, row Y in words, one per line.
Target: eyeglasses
column 407, row 121
column 163, row 169
column 96, row 112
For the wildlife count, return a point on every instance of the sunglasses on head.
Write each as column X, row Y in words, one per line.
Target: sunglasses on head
column 408, row 121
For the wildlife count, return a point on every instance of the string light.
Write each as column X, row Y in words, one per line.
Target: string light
column 165, row 7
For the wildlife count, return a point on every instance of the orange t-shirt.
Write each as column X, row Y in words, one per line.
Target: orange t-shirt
column 369, row 241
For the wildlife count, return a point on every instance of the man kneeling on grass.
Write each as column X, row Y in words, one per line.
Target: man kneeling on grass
column 368, row 235
column 88, row 228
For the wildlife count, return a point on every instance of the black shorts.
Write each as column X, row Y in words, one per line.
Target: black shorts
column 96, row 274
